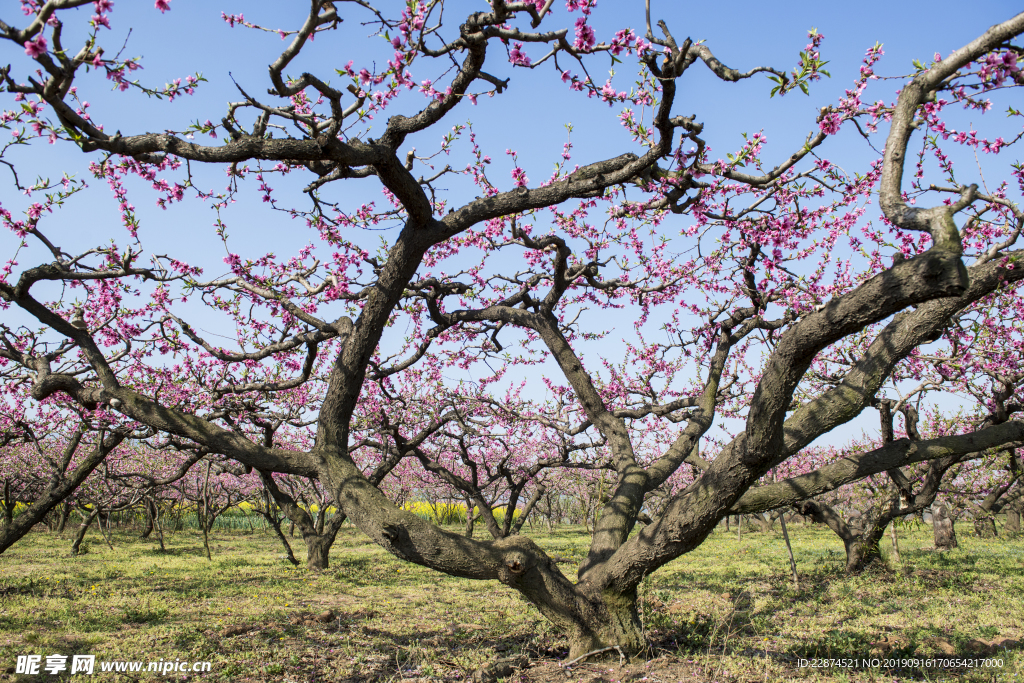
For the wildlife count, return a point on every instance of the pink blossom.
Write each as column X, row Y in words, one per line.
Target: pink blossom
column 517, row 56
column 830, row 123
column 585, row 38
column 519, row 176
column 162, row 5
column 608, row 93
column 37, row 47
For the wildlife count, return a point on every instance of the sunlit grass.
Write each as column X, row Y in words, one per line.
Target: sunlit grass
column 727, row 611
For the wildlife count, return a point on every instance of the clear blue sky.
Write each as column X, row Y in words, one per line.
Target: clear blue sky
column 530, row 117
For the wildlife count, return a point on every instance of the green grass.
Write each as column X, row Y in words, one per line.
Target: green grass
column 256, row 618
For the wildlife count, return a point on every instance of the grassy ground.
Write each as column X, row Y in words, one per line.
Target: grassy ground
column 727, row 612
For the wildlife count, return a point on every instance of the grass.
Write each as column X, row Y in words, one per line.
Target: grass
column 726, row 612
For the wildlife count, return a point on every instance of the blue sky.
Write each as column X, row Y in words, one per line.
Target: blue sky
column 530, row 117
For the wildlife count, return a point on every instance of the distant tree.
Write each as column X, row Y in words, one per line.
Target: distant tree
column 43, row 461
column 860, row 513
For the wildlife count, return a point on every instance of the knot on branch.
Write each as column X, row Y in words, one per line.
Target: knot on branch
column 517, row 562
column 518, row 557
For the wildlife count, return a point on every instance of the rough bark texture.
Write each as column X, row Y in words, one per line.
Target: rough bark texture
column 76, row 544
column 863, row 551
column 1012, row 519
column 62, row 516
column 148, row 529
column 7, row 506
column 317, row 550
column 942, row 527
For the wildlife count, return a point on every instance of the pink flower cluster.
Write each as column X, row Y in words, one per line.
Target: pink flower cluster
column 36, row 48
column 585, row 38
column 830, row 123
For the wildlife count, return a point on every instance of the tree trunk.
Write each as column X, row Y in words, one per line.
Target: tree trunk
column 7, row 505
column 895, row 543
column 1012, row 525
column 76, row 545
column 985, row 525
column 764, row 521
column 149, row 520
column 289, row 555
column 863, row 549
column 942, row 528
column 62, row 517
column 159, row 526
column 206, row 543
column 318, row 540
column 861, row 542
column 54, row 494
column 615, row 622
column 105, row 531
column 318, row 547
column 789, row 549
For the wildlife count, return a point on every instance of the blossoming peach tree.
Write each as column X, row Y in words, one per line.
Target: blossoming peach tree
column 742, row 279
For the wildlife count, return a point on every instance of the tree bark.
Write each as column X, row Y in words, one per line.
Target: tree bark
column 470, row 518
column 76, row 545
column 8, row 506
column 789, row 549
column 1012, row 525
column 62, row 517
column 104, row 526
column 147, row 506
column 158, row 522
column 601, row 609
column 942, row 527
column 289, row 555
column 860, row 542
column 318, row 548
column 985, row 526
column 206, row 542
column 765, row 521
column 616, row 622
column 895, row 543
column 862, row 551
